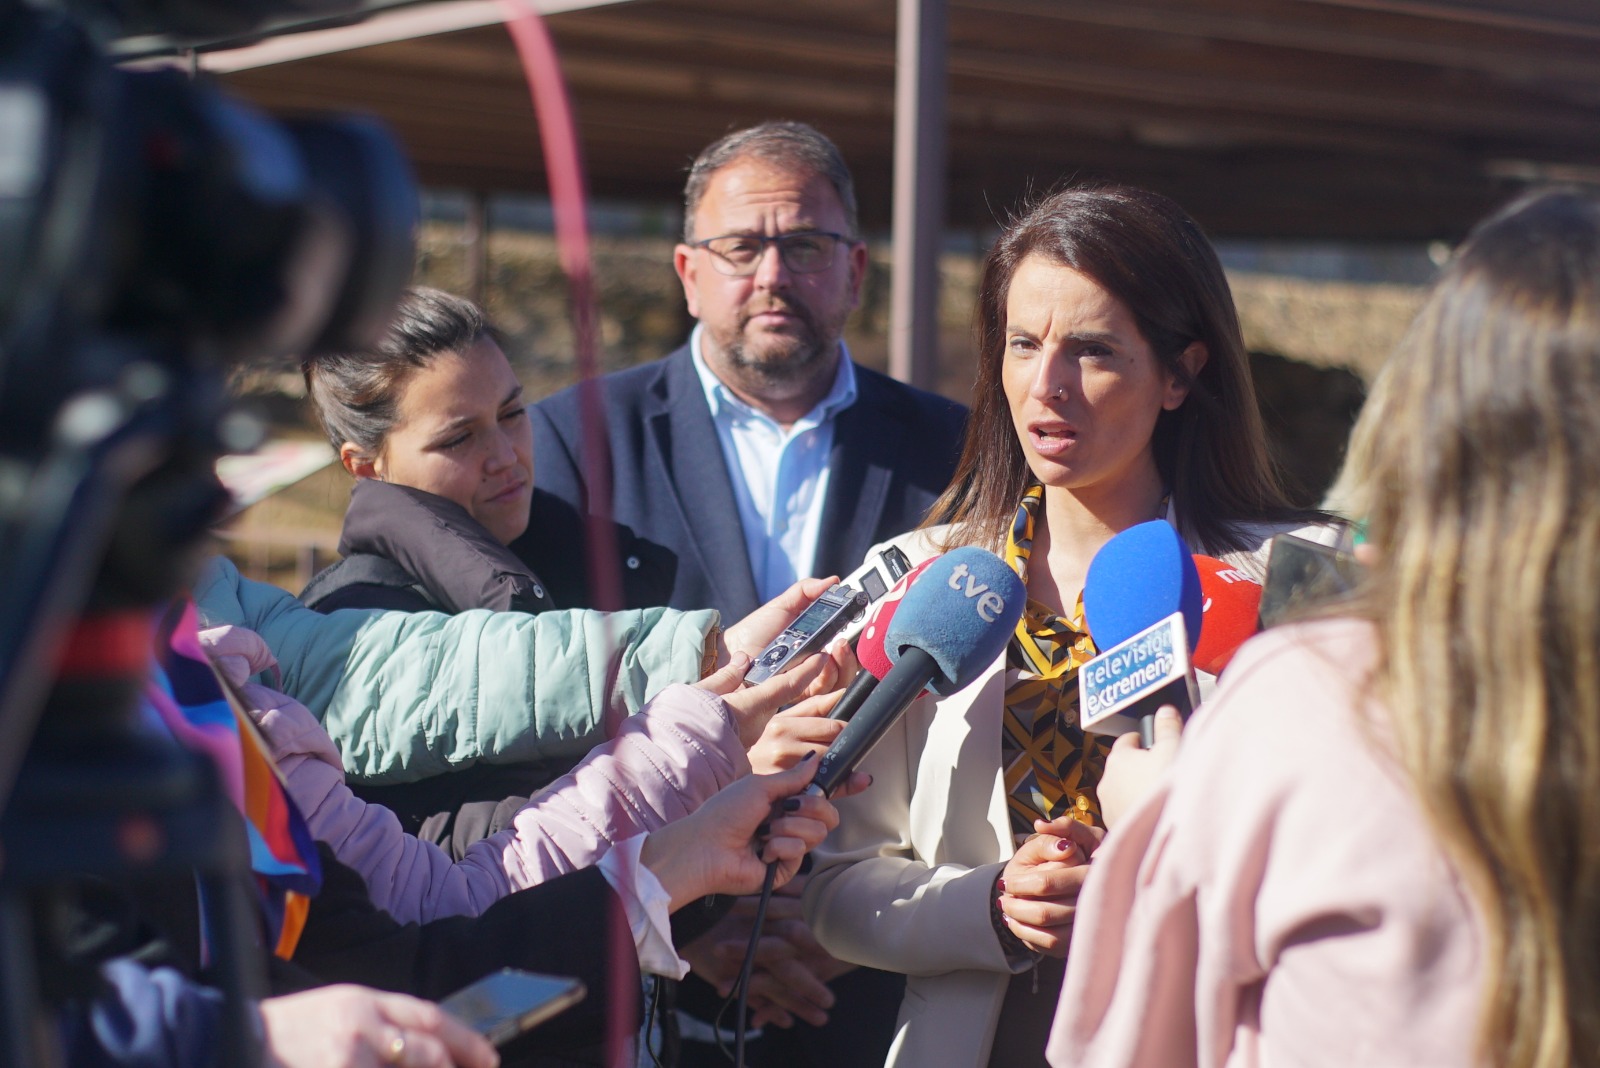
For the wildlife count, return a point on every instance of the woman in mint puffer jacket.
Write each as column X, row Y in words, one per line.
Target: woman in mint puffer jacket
column 411, row 694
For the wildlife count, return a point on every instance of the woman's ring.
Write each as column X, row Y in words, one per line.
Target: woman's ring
column 396, row 1049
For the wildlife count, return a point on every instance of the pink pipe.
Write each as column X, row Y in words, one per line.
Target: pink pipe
column 563, row 161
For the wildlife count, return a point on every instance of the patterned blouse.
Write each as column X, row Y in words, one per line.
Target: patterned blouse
column 1051, row 765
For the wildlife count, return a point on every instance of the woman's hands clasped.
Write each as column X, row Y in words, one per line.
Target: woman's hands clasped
column 1038, row 890
column 1040, row 884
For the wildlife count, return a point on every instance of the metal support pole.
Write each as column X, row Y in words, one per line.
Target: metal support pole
column 919, row 162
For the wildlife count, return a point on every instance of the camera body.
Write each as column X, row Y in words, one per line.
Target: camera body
column 154, row 236
column 148, row 218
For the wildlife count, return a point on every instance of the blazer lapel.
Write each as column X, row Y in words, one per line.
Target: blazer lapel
column 692, row 470
column 868, row 438
column 963, row 815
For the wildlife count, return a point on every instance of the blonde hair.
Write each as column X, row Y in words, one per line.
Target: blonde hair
column 1477, row 466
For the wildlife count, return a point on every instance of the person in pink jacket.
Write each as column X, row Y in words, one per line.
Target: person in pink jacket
column 1375, row 846
column 686, row 744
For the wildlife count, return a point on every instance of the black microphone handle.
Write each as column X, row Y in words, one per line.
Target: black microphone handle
column 1147, row 731
column 854, row 696
column 893, row 694
column 1176, row 693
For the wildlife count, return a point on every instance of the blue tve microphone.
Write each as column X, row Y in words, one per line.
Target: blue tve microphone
column 952, row 623
column 1142, row 603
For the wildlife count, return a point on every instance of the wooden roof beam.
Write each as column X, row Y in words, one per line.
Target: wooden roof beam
column 1461, row 108
column 1535, row 58
column 1558, row 17
column 1461, row 112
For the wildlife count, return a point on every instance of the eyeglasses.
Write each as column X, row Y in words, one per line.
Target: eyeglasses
column 738, row 255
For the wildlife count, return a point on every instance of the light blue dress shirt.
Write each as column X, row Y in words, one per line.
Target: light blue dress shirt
column 780, row 478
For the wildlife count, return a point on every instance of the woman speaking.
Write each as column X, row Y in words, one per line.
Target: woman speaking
column 1113, row 388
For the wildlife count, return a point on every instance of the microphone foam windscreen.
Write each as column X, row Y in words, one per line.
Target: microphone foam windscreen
column 961, row 612
column 1142, row 575
column 1232, row 603
column 869, row 647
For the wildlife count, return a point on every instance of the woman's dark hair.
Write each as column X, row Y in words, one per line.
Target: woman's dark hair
column 1144, row 250
column 357, row 393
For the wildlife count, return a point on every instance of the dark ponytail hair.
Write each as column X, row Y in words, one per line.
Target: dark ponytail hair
column 357, row 393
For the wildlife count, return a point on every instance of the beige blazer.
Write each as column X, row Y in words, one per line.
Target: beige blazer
column 903, row 884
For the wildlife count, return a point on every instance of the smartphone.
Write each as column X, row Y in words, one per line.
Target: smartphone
column 810, row 633
column 1303, row 574
column 504, row 1004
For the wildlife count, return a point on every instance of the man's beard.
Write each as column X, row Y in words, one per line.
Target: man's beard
column 784, row 360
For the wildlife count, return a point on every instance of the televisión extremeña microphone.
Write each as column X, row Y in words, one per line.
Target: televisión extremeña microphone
column 947, row 629
column 1232, row 606
column 1143, row 574
column 870, row 652
column 1143, row 607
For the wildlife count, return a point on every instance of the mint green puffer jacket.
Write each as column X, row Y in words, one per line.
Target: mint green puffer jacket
column 414, row 694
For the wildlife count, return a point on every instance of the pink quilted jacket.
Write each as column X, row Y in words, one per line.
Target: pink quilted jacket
column 681, row 748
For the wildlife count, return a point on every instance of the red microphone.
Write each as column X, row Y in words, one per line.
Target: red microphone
column 869, row 647
column 875, row 663
column 1230, row 612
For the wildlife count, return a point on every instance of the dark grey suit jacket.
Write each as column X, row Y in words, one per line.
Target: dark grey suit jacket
column 676, row 524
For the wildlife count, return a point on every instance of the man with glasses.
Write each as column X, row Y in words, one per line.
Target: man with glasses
column 757, row 453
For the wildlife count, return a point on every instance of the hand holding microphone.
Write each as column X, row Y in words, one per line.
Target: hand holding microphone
column 955, row 620
column 1133, row 768
column 709, row 851
column 1141, row 598
column 1143, row 605
column 1157, row 613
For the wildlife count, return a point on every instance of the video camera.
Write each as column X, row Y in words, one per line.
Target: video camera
column 154, row 235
